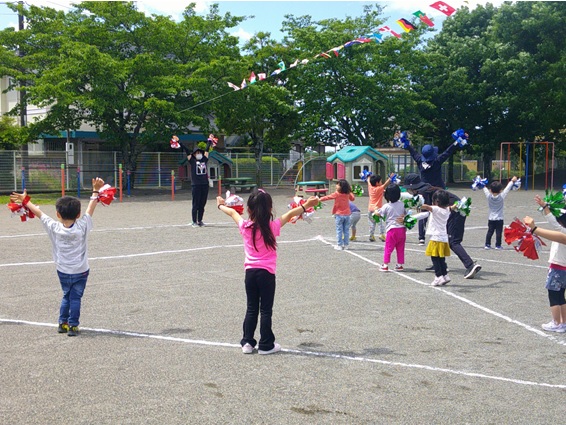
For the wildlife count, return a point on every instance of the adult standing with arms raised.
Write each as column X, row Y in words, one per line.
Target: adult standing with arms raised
column 429, row 163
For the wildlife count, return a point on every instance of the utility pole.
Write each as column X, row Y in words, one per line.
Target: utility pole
column 23, row 106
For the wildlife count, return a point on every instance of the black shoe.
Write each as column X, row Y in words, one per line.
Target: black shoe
column 472, row 271
column 201, row 224
column 63, row 328
column 73, row 331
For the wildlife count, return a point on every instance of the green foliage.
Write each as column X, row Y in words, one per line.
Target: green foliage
column 11, row 135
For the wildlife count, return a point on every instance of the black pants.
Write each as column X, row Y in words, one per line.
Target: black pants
column 455, row 229
column 497, row 227
column 260, row 292
column 200, row 196
column 422, row 229
column 440, row 267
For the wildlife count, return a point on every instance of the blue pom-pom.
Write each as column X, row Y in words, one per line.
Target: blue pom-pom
column 401, row 140
column 461, row 137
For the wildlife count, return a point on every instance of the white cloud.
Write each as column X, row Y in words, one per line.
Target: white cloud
column 242, row 34
column 172, row 8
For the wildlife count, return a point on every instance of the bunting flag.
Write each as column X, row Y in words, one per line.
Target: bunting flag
column 378, row 37
column 294, row 64
column 389, row 30
column 406, row 25
column 243, row 85
column 252, row 78
column 423, row 18
column 304, row 61
column 336, row 50
column 281, row 66
column 234, row 86
column 443, row 7
column 261, row 76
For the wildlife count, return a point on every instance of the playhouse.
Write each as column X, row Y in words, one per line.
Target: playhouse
column 219, row 166
column 350, row 161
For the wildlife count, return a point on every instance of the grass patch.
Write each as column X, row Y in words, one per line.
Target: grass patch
column 36, row 198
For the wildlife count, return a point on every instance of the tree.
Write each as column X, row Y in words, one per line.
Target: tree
column 264, row 111
column 134, row 78
column 360, row 94
column 11, row 135
column 501, row 75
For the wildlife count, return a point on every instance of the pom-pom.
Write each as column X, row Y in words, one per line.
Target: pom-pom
column 235, row 202
column 357, row 190
column 377, row 218
column 364, row 175
column 106, row 194
column 401, row 140
column 175, row 142
column 555, row 203
column 306, row 215
column 523, row 240
column 395, row 179
column 463, row 206
column 19, row 210
column 212, row 139
column 479, row 183
column 412, row 201
column 517, row 185
column 461, row 137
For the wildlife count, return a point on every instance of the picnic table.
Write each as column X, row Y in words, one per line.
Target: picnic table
column 316, row 188
column 239, row 183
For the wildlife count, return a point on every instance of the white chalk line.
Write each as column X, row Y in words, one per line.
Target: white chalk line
column 299, row 352
column 460, row 298
column 152, row 253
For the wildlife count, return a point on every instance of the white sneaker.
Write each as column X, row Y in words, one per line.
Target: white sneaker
column 247, row 348
column 421, row 242
column 275, row 349
column 446, row 279
column 345, row 247
column 384, row 268
column 438, row 281
column 338, row 247
column 552, row 326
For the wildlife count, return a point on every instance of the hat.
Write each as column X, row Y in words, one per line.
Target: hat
column 429, row 152
column 413, row 182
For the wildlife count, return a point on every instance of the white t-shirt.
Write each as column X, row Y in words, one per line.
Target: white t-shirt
column 69, row 245
column 391, row 212
column 437, row 224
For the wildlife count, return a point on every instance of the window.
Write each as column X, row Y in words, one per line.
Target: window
column 358, row 169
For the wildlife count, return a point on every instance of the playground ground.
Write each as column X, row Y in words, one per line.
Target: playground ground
column 162, row 317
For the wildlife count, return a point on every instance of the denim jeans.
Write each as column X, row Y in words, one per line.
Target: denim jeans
column 73, row 286
column 342, row 229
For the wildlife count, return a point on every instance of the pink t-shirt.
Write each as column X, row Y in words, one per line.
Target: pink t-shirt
column 375, row 196
column 263, row 257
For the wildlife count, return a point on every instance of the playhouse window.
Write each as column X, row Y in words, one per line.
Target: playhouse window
column 358, row 169
column 213, row 173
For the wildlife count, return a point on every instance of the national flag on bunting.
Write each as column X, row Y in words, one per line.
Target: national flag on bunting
column 252, row 78
column 261, row 76
column 243, row 85
column 281, row 66
column 304, row 61
column 234, row 86
column 387, row 29
column 294, row 64
column 378, row 37
column 424, row 18
column 406, row 25
column 443, row 7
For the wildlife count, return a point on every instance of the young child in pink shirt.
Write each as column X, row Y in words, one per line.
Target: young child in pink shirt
column 341, row 211
column 260, row 246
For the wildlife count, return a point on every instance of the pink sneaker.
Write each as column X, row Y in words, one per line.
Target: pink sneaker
column 275, row 349
column 399, row 268
column 384, row 268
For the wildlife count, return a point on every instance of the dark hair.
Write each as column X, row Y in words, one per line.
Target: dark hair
column 374, row 179
column 260, row 207
column 392, row 193
column 344, row 186
column 496, row 186
column 68, row 207
column 441, row 198
column 562, row 220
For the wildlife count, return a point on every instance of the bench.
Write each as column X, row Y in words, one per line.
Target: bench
column 317, row 192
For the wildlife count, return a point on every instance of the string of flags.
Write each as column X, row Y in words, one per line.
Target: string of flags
column 405, row 24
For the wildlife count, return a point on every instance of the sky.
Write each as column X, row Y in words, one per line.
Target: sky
column 268, row 15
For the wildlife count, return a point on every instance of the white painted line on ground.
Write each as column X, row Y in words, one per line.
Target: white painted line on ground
column 301, row 353
column 458, row 297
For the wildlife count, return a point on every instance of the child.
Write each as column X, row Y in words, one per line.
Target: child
column 396, row 232
column 556, row 278
column 69, row 242
column 495, row 200
column 260, row 246
column 438, row 248
column 355, row 216
column 341, row 211
column 375, row 191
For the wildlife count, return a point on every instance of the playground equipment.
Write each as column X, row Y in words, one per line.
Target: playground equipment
column 530, row 160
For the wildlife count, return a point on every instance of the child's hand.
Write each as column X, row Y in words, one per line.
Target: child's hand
column 539, row 201
column 529, row 222
column 312, row 201
column 514, row 179
column 18, row 198
column 97, row 184
column 220, row 201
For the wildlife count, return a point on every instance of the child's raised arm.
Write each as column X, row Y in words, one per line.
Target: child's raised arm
column 227, row 210
column 311, row 202
column 97, row 184
column 551, row 235
column 20, row 198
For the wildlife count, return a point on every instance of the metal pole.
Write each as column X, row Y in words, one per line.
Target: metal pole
column 120, row 179
column 23, row 178
column 78, row 182
column 62, row 179
column 159, row 169
column 172, row 185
